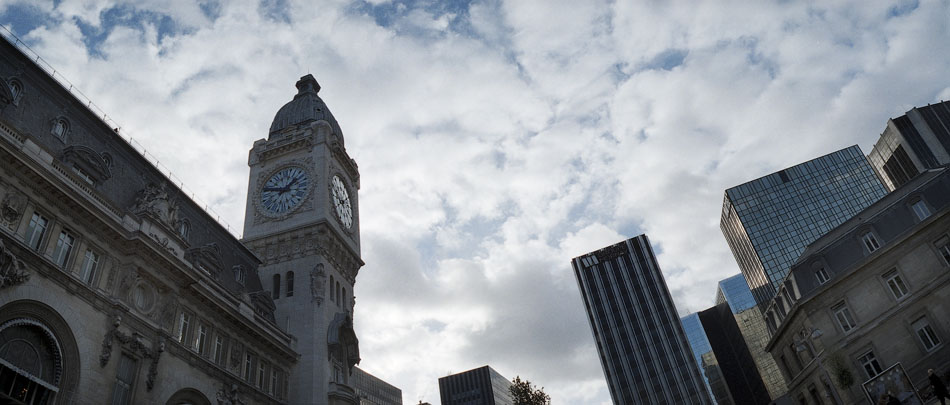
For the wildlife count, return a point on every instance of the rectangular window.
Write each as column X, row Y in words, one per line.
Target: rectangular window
column 36, row 230
column 201, row 336
column 870, row 242
column 124, row 378
column 943, row 246
column 273, row 382
column 90, row 263
column 895, row 284
column 248, row 367
column 871, row 367
column 920, row 210
column 64, row 246
column 261, row 375
column 926, row 333
column 290, row 284
column 220, row 348
column 822, row 275
column 183, row 322
column 844, row 317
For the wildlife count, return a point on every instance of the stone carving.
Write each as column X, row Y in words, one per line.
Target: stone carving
column 107, row 341
column 236, row 354
column 12, row 206
column 12, row 269
column 97, row 166
column 134, row 342
column 163, row 241
column 154, row 201
column 206, row 258
column 128, row 279
column 168, row 308
column 229, row 396
column 318, row 278
column 153, row 368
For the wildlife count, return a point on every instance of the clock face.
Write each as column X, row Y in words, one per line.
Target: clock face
column 285, row 190
column 342, row 202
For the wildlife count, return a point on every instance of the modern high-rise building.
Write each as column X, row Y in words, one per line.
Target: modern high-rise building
column 723, row 357
column 912, row 143
column 642, row 346
column 482, row 386
column 372, row 390
column 768, row 221
column 734, row 292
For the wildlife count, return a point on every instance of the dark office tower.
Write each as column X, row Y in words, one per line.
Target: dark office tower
column 912, row 143
column 734, row 292
column 769, row 221
column 641, row 343
column 732, row 357
column 706, row 359
column 480, row 386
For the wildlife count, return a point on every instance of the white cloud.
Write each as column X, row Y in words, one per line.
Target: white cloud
column 498, row 142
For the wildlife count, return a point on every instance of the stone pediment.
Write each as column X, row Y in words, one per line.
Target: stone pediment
column 206, row 258
column 98, row 166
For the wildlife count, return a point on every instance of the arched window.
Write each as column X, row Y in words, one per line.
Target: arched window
column 30, row 361
column 184, row 227
column 276, row 293
column 60, row 128
column 338, row 293
column 290, row 284
column 343, row 296
column 332, row 298
column 16, row 89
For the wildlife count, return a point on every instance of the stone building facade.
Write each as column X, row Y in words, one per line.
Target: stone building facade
column 870, row 294
column 116, row 287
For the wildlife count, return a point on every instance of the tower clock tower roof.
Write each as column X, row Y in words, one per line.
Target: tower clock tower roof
column 306, row 107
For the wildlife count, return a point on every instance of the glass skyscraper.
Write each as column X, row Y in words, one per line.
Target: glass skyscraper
column 705, row 359
column 768, row 221
column 641, row 343
column 482, row 385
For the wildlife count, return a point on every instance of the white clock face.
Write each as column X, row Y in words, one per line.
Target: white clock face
column 342, row 202
column 285, row 190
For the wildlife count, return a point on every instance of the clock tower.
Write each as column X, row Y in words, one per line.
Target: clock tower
column 302, row 220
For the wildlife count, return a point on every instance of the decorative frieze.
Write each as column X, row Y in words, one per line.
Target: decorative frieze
column 153, row 201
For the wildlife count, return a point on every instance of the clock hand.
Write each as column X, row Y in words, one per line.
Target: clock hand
column 272, row 189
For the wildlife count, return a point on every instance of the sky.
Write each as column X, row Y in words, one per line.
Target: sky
column 496, row 140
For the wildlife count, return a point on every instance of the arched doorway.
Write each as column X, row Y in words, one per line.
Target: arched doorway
column 188, row 396
column 39, row 361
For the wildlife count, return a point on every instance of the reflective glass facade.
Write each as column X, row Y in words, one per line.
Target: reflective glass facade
column 641, row 343
column 480, row 386
column 768, row 221
column 735, row 291
column 700, row 347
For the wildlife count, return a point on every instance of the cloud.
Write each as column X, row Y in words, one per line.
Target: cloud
column 497, row 139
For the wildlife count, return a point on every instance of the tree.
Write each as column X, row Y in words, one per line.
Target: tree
column 523, row 393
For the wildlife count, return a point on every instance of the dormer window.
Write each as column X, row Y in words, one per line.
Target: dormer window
column 920, row 209
column 870, row 242
column 184, row 227
column 60, row 128
column 16, row 90
column 822, row 275
column 240, row 275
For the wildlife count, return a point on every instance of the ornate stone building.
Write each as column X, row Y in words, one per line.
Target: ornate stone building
column 869, row 295
column 116, row 287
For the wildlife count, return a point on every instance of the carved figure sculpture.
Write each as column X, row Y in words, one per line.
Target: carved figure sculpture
column 154, row 201
column 12, row 206
column 12, row 270
column 318, row 278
